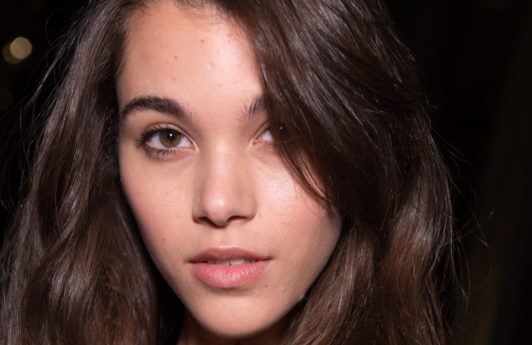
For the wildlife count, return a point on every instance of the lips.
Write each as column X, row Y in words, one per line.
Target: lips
column 228, row 268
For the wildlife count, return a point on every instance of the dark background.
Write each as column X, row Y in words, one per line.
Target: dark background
column 475, row 59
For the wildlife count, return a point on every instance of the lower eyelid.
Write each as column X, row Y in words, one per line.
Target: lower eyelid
column 160, row 154
column 163, row 154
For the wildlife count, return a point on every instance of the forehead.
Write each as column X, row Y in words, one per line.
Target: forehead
column 177, row 49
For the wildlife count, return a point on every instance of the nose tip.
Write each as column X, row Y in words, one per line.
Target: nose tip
column 223, row 196
column 220, row 212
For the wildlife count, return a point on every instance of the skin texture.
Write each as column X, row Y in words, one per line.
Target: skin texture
column 222, row 184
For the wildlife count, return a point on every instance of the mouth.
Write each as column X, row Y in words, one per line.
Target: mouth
column 234, row 262
column 228, row 257
column 230, row 268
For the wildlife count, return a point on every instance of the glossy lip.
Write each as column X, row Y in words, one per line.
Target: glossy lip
column 220, row 276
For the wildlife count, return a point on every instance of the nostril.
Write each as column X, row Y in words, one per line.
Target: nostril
column 219, row 223
column 209, row 222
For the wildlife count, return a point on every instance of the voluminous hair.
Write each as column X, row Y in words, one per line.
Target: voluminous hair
column 345, row 105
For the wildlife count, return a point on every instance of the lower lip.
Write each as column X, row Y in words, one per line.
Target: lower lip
column 229, row 277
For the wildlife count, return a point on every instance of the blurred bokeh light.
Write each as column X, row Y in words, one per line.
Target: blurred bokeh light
column 17, row 50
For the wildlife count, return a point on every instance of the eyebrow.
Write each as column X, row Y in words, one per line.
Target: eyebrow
column 159, row 104
column 172, row 107
column 256, row 106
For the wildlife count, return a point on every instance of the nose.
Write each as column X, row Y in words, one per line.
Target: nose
column 224, row 192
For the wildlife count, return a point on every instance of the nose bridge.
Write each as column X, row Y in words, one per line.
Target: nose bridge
column 224, row 192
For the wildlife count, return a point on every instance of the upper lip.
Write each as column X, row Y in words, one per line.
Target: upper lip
column 226, row 254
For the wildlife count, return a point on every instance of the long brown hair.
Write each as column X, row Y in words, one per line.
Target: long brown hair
column 344, row 103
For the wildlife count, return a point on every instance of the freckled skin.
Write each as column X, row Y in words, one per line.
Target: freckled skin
column 225, row 187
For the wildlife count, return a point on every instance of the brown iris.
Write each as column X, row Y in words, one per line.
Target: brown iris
column 170, row 138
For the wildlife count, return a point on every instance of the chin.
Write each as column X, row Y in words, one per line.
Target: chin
column 238, row 325
column 234, row 331
column 237, row 328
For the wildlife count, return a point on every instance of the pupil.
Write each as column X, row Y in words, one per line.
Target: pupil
column 170, row 138
column 170, row 135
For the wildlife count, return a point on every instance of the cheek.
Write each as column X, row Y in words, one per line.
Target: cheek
column 157, row 203
column 311, row 243
column 305, row 234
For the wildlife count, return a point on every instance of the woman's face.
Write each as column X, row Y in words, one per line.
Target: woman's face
column 231, row 230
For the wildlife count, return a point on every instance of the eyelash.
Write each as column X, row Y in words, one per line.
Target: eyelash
column 168, row 153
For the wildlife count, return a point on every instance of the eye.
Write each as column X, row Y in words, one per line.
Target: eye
column 266, row 136
column 160, row 142
column 167, row 138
